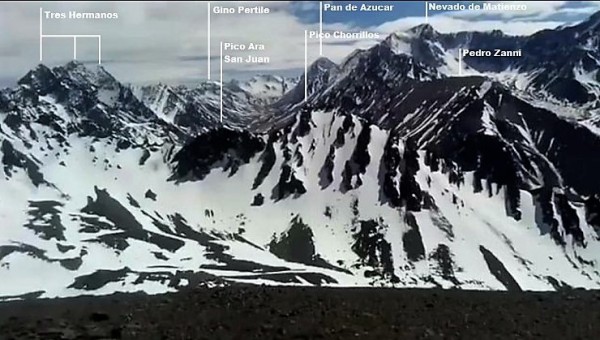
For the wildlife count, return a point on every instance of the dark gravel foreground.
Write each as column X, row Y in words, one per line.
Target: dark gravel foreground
column 308, row 313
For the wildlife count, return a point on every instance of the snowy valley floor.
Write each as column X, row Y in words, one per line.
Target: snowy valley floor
column 255, row 312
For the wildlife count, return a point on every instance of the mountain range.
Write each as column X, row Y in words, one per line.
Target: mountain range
column 394, row 171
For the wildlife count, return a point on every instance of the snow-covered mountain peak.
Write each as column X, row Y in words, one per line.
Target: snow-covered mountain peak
column 320, row 74
column 393, row 172
column 592, row 24
column 320, row 69
column 77, row 85
column 497, row 33
column 265, row 78
column 424, row 31
column 541, row 64
column 41, row 79
column 400, row 42
column 321, row 64
column 95, row 74
column 266, row 88
column 197, row 109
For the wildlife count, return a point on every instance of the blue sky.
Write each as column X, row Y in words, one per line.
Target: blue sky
column 570, row 11
column 401, row 9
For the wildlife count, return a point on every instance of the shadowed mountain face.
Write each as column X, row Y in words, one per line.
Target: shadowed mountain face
column 549, row 68
column 392, row 172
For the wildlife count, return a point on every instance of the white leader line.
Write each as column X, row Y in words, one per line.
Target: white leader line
column 321, row 28
column 41, row 36
column 305, row 65
column 221, row 75
column 70, row 36
column 208, row 46
column 460, row 61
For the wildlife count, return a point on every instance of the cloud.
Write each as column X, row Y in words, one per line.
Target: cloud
column 448, row 24
column 155, row 41
column 305, row 5
column 534, row 10
column 539, row 15
column 166, row 41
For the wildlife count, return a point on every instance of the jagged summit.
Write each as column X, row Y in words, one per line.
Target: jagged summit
column 74, row 64
column 322, row 63
column 424, row 31
column 592, row 23
column 320, row 68
column 194, row 109
column 555, row 71
column 319, row 73
column 40, row 79
column 392, row 172
column 73, row 71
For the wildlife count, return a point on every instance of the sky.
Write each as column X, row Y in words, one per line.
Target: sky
column 167, row 42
